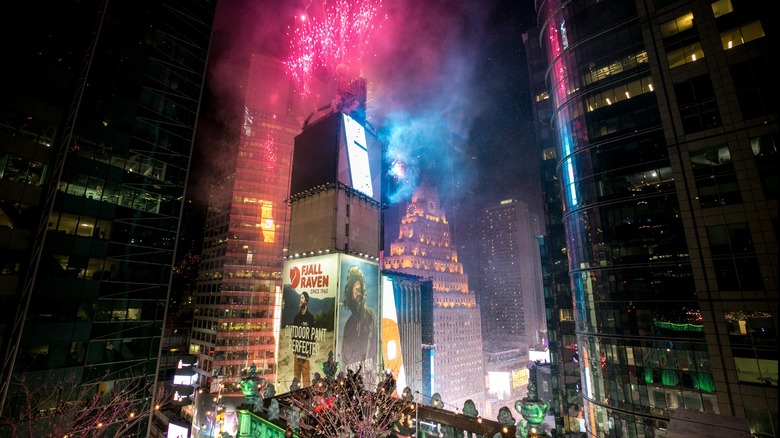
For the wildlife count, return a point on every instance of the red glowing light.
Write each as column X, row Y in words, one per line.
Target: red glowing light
column 319, row 46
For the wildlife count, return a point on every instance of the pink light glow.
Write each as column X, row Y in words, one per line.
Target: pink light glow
column 317, row 47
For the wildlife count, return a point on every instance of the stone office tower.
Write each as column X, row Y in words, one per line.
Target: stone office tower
column 424, row 248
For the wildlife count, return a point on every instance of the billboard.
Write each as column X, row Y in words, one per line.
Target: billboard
column 358, row 318
column 392, row 353
column 177, row 431
column 307, row 321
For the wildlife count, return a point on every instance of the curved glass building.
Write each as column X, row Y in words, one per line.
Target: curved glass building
column 665, row 118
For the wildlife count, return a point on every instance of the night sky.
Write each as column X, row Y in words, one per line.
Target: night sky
column 449, row 88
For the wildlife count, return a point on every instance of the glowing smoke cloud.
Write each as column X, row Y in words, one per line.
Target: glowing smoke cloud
column 417, row 146
column 318, row 47
column 425, row 98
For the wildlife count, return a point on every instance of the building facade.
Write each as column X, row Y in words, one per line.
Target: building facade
column 424, row 249
column 510, row 295
column 412, row 305
column 666, row 131
column 247, row 222
column 98, row 118
column 565, row 400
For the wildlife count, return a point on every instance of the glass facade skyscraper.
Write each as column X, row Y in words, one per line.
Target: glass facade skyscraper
column 665, row 120
column 246, row 231
column 124, row 117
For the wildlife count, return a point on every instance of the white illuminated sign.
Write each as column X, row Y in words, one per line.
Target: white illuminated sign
column 357, row 150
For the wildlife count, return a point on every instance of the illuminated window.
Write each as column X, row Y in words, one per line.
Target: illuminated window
column 741, row 35
column 752, row 336
column 619, row 93
column 722, row 7
column 678, row 25
column 681, row 41
column 683, row 55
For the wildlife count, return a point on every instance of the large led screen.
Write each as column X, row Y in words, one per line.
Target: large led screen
column 176, row 431
column 391, row 336
column 307, row 319
column 358, row 319
column 357, row 150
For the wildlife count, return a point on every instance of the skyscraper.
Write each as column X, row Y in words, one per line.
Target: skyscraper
column 424, row 248
column 246, row 231
column 565, row 398
column 330, row 308
column 510, row 295
column 665, row 121
column 510, row 298
column 88, row 242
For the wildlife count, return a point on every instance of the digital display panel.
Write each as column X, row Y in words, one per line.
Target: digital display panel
column 185, row 379
column 391, row 336
column 357, row 149
column 359, row 318
column 176, row 431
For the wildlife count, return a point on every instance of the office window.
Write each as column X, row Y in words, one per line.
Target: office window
column 716, row 180
column 765, row 152
column 722, row 7
column 697, row 105
column 733, row 256
column 20, row 170
column 755, row 86
column 681, row 41
column 741, row 34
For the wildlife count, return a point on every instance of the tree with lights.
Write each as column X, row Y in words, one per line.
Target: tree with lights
column 67, row 409
column 341, row 406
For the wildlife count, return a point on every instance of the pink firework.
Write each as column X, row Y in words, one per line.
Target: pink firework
column 317, row 47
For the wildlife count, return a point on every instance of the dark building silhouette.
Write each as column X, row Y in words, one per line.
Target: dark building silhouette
column 664, row 118
column 98, row 109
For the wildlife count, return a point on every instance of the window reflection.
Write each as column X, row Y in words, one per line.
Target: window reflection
column 100, row 190
column 765, row 152
column 716, row 179
column 734, row 258
column 13, row 168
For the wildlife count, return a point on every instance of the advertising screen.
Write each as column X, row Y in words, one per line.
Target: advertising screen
column 358, row 319
column 391, row 336
column 176, row 431
column 357, row 150
column 307, row 319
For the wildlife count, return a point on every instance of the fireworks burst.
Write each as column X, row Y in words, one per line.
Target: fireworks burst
column 318, row 47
